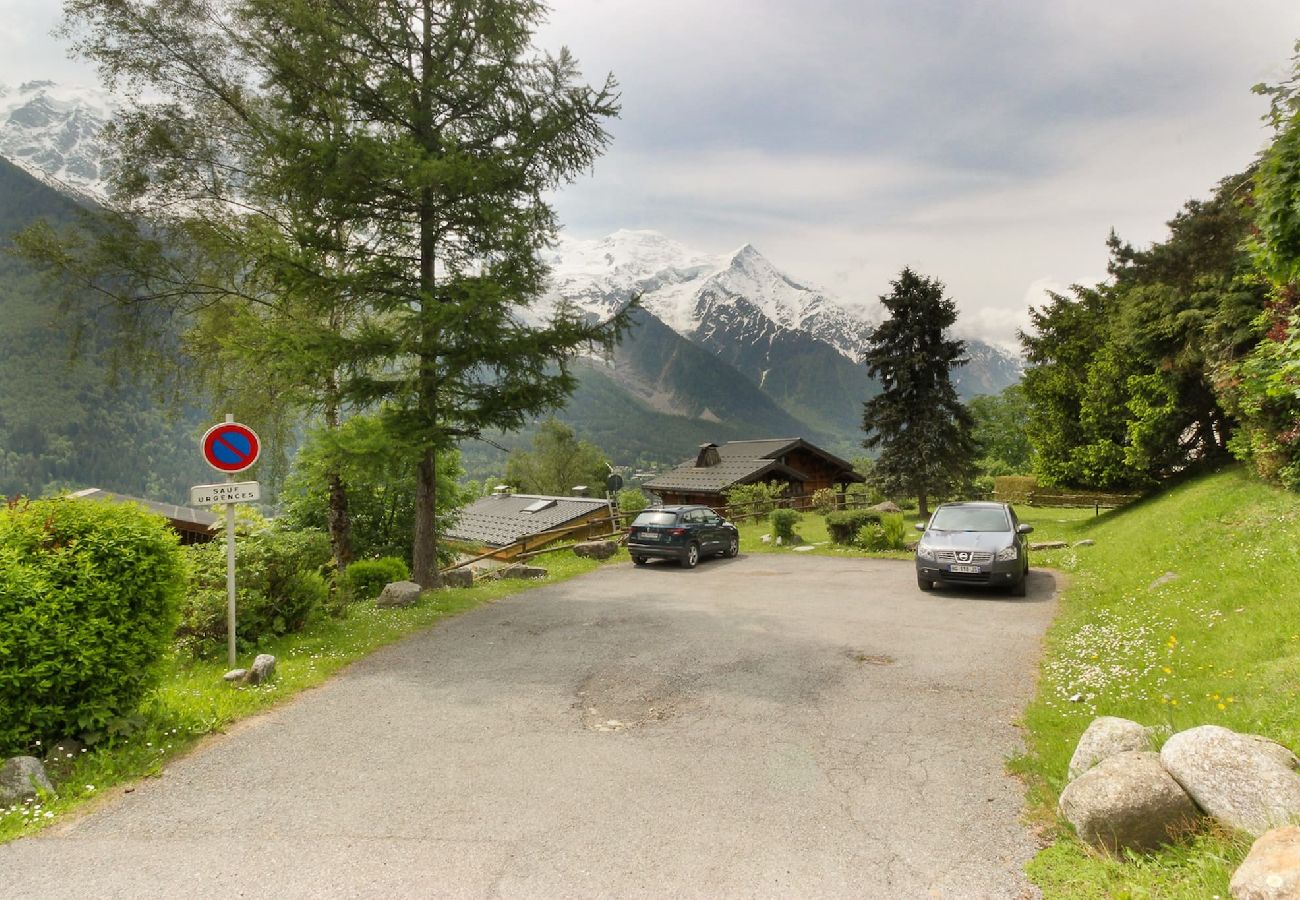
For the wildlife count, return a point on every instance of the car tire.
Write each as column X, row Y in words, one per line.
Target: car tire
column 692, row 557
column 733, row 548
column 639, row 560
column 924, row 584
column 1018, row 589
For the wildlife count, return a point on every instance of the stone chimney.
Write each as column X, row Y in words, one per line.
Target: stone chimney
column 708, row 456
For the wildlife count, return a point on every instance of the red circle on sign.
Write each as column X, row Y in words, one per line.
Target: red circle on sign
column 230, row 447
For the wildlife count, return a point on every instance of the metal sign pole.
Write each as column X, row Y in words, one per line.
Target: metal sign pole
column 230, row 570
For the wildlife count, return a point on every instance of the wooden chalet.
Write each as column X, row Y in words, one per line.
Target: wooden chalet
column 195, row 526
column 802, row 467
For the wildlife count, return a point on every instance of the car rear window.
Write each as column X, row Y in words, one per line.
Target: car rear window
column 656, row 518
column 959, row 518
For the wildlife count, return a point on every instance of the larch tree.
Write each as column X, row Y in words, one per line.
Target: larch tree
column 392, row 155
column 920, row 426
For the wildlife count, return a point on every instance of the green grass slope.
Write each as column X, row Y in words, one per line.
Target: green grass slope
column 1183, row 613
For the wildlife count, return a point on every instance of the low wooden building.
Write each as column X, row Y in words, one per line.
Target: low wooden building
column 802, row 467
column 195, row 526
column 518, row 523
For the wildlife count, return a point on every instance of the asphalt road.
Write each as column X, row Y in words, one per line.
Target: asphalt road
column 772, row 725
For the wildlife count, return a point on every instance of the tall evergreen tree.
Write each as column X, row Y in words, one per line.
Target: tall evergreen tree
column 922, row 429
column 395, row 154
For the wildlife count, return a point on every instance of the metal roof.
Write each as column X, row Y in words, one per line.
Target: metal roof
column 713, row 479
column 774, row 448
column 502, row 519
column 199, row 518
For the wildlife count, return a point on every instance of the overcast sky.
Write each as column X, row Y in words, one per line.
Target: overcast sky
column 989, row 144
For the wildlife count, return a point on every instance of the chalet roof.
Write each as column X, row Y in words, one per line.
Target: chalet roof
column 502, row 519
column 742, row 462
column 196, row 519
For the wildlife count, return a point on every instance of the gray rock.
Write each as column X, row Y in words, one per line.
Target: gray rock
column 1106, row 736
column 1244, row 781
column 888, row 506
column 1127, row 801
column 1085, row 543
column 1271, row 871
column 398, row 594
column 1048, row 545
column 596, row 549
column 22, row 778
column 263, row 669
column 235, row 675
column 522, row 571
column 457, row 578
column 766, row 539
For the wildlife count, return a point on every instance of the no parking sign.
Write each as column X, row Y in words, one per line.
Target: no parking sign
column 230, row 447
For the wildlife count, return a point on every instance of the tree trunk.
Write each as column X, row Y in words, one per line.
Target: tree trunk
column 923, row 503
column 424, row 555
column 337, row 518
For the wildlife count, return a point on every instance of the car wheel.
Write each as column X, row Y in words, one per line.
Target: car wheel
column 1018, row 589
column 692, row 557
column 639, row 560
column 733, row 547
column 924, row 584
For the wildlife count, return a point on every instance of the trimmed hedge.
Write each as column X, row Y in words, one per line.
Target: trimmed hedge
column 845, row 524
column 278, row 582
column 783, row 522
column 89, row 593
column 366, row 578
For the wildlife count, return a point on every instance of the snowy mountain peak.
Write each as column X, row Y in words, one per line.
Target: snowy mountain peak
column 52, row 131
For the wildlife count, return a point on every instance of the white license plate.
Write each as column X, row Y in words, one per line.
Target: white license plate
column 967, row 570
column 649, row 536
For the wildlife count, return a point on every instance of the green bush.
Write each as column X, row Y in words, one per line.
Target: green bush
column 757, row 500
column 88, row 602
column 825, row 500
column 843, row 526
column 278, row 582
column 366, row 578
column 783, row 522
column 632, row 500
column 890, row 533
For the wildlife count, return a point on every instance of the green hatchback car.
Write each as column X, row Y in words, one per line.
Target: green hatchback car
column 683, row 533
column 974, row 543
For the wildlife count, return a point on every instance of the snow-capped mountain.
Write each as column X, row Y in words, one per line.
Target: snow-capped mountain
column 52, row 132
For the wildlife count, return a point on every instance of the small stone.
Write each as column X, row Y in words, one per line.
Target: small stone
column 522, row 571
column 22, row 778
column 263, row 669
column 780, row 541
column 1085, row 543
column 1271, row 871
column 235, row 675
column 766, row 539
column 1076, row 698
column 803, row 549
column 1105, row 737
column 398, row 594
column 457, row 578
column 1163, row 580
column 888, row 506
column 1048, row 545
column 595, row 549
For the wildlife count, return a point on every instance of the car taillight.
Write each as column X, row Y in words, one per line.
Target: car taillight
column 677, row 532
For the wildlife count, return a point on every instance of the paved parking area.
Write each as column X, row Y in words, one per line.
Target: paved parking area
column 772, row 725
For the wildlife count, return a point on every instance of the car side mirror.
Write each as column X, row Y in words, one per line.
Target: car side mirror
column 920, row 526
column 1024, row 529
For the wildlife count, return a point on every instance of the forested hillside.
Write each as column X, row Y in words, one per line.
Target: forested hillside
column 68, row 416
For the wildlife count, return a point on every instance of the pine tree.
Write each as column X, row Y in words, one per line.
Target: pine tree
column 922, row 429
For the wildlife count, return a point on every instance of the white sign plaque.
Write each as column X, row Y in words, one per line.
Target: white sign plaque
column 230, row 492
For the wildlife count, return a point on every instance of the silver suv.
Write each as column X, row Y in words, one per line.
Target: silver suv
column 973, row 543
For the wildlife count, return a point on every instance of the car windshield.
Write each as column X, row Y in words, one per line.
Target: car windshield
column 655, row 518
column 970, row 518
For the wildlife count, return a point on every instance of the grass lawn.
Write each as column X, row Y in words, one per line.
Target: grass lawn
column 194, row 702
column 1217, row 642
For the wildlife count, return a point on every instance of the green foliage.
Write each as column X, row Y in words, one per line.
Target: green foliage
column 1015, row 488
column 844, row 525
column 756, row 499
column 381, row 482
column 999, row 432
column 366, row 578
column 825, row 500
column 279, row 585
column 88, row 605
column 1263, row 390
column 783, row 522
column 889, row 533
column 923, row 430
column 632, row 500
column 557, row 463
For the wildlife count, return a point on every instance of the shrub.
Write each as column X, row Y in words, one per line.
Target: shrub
column 279, row 587
column 825, row 500
column 844, row 525
column 365, row 579
column 783, row 522
column 632, row 500
column 88, row 602
column 890, row 533
column 753, row 499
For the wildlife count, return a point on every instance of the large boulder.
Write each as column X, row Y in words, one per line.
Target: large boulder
column 1244, row 781
column 596, row 549
column 457, row 578
column 397, row 594
column 1106, row 736
column 263, row 669
column 1271, row 871
column 522, row 571
column 1127, row 801
column 22, row 778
